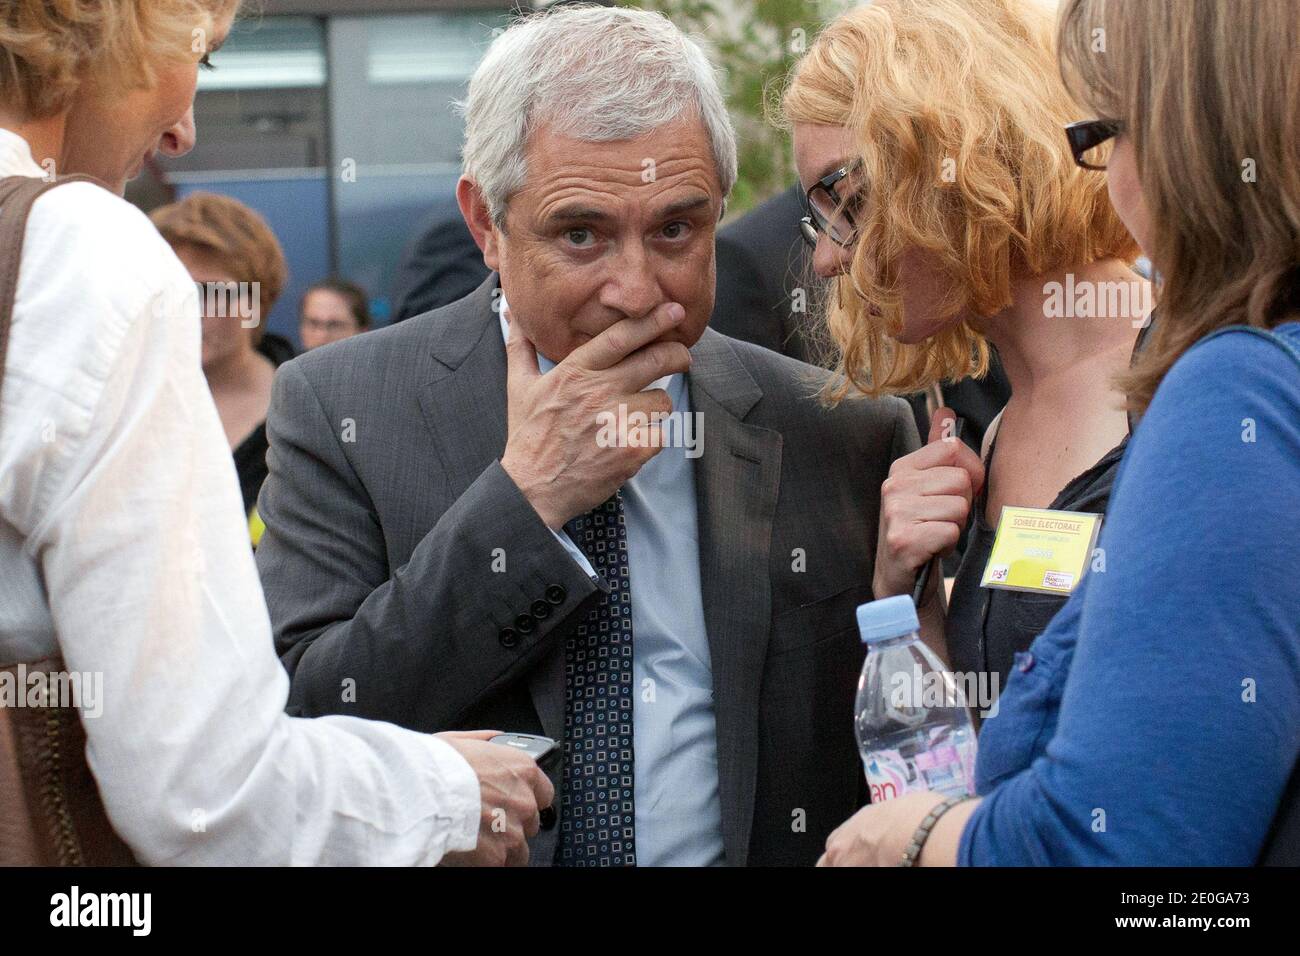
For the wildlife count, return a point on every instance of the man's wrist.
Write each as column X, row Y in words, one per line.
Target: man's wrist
column 529, row 488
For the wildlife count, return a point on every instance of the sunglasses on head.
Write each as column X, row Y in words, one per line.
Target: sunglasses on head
column 1091, row 141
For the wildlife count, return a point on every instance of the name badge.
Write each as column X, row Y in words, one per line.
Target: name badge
column 1036, row 549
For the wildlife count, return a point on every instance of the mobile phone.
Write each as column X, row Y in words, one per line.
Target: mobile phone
column 542, row 749
column 545, row 751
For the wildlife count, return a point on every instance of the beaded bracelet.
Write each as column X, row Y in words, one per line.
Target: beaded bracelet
column 923, row 831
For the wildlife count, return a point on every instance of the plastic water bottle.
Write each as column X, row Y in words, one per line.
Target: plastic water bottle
column 913, row 729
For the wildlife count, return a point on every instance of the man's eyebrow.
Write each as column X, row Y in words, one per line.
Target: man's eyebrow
column 581, row 214
column 692, row 204
column 577, row 213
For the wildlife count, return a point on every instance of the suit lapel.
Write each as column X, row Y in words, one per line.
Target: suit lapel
column 464, row 407
column 737, row 480
column 464, row 403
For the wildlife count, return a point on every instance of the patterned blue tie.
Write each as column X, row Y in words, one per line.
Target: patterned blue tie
column 598, row 818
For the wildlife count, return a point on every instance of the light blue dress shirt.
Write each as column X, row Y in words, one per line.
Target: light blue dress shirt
column 674, row 731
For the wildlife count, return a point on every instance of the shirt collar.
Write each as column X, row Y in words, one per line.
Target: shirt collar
column 669, row 383
column 16, row 156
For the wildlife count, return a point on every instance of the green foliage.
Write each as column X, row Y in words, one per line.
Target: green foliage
column 755, row 42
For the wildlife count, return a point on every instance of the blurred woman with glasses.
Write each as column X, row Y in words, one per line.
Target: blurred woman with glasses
column 332, row 310
column 945, row 203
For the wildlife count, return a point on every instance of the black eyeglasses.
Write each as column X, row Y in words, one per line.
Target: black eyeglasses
column 1091, row 141
column 828, row 211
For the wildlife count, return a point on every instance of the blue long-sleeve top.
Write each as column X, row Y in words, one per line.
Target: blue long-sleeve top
column 1157, row 720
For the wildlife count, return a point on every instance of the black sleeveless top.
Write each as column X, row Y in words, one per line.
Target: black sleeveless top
column 987, row 627
column 250, row 456
column 250, row 465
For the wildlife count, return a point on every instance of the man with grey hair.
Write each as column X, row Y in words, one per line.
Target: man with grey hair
column 563, row 506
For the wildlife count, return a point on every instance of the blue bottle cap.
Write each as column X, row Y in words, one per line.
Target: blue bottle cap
column 887, row 618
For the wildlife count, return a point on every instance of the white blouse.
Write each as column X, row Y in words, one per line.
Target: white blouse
column 123, row 546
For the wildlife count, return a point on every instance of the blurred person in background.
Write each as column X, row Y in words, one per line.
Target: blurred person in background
column 947, row 204
column 761, row 263
column 123, row 552
column 1157, row 720
column 330, row 311
column 239, row 270
column 440, row 265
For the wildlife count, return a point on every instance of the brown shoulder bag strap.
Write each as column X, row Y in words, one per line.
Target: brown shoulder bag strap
column 17, row 195
column 51, row 813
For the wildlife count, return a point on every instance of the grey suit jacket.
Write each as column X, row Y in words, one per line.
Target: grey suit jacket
column 409, row 580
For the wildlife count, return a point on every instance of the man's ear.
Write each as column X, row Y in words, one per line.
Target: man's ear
column 475, row 210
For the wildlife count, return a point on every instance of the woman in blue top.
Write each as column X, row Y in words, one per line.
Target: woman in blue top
column 1157, row 720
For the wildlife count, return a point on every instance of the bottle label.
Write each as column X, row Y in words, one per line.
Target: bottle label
column 946, row 767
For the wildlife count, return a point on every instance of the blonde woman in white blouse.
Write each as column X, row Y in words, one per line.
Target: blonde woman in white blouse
column 122, row 542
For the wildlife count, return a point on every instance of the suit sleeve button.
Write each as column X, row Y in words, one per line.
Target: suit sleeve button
column 525, row 624
column 541, row 610
column 508, row 637
column 556, row 594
